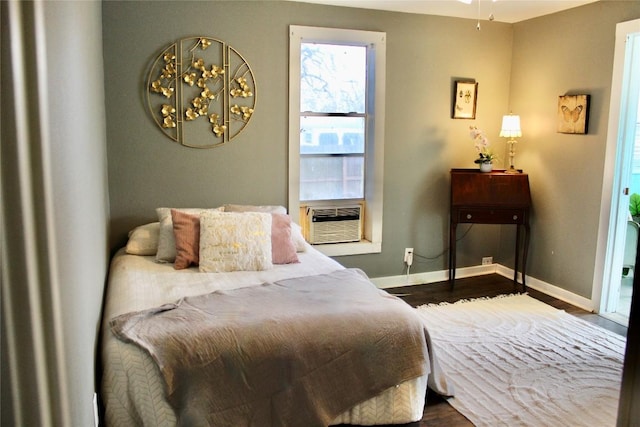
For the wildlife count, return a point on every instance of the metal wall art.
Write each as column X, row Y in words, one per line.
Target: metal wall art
column 201, row 92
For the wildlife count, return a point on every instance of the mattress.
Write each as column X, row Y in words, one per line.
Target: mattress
column 132, row 388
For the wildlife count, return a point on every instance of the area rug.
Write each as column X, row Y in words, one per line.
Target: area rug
column 515, row 361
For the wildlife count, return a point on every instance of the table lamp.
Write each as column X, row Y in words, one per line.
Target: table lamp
column 511, row 129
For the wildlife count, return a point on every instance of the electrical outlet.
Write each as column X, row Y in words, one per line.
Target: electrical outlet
column 487, row 260
column 408, row 256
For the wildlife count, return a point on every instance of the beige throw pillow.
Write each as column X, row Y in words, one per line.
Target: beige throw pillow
column 143, row 240
column 255, row 208
column 235, row 241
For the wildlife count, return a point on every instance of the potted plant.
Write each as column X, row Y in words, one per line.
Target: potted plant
column 634, row 206
column 485, row 155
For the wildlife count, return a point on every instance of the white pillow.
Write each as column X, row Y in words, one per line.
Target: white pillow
column 166, row 239
column 143, row 240
column 297, row 238
column 232, row 241
column 296, row 231
column 255, row 208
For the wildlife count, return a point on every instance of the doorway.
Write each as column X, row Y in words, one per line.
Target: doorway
column 618, row 232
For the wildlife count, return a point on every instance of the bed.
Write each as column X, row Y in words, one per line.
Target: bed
column 137, row 381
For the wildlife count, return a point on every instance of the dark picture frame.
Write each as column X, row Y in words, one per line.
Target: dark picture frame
column 573, row 114
column 465, row 99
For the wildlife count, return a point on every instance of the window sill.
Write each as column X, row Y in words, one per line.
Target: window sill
column 354, row 248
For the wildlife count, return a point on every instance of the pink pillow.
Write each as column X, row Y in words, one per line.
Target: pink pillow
column 283, row 251
column 186, row 229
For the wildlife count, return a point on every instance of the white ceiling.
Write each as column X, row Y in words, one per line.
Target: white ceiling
column 503, row 10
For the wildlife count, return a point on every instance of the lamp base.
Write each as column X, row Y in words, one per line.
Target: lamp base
column 512, row 156
column 512, row 170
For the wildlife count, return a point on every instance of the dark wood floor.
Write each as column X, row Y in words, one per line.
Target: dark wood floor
column 437, row 411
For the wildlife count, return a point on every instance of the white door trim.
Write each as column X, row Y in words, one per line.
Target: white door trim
column 611, row 232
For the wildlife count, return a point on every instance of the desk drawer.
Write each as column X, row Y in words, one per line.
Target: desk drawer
column 492, row 216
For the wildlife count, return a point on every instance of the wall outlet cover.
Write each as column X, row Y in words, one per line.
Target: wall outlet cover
column 408, row 254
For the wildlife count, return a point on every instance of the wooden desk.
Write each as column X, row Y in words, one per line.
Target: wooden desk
column 490, row 198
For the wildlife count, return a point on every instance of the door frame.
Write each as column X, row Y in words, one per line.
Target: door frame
column 616, row 177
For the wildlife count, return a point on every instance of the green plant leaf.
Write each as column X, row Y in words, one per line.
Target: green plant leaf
column 634, row 204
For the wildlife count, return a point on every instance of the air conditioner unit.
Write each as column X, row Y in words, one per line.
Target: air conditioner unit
column 334, row 224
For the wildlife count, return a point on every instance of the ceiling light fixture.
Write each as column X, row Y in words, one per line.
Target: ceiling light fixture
column 491, row 17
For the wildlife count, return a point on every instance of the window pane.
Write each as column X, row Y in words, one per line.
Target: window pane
column 330, row 178
column 331, row 135
column 332, row 78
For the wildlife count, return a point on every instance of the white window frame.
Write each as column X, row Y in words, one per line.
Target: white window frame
column 374, row 151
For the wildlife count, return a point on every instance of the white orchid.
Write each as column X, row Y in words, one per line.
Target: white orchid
column 481, row 142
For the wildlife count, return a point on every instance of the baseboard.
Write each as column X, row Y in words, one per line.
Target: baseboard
column 431, row 276
column 551, row 290
column 442, row 275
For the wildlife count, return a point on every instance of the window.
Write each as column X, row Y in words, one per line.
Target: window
column 336, row 117
column 333, row 83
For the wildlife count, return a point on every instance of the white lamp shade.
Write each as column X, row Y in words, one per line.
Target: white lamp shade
column 510, row 126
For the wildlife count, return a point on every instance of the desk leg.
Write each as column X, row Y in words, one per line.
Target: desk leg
column 525, row 252
column 515, row 266
column 452, row 253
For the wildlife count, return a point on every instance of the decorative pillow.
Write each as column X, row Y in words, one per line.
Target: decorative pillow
column 143, row 240
column 235, row 241
column 296, row 232
column 297, row 238
column 254, row 208
column 186, row 230
column 283, row 250
column 166, row 239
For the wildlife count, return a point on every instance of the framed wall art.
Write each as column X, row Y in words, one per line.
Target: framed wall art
column 573, row 114
column 464, row 99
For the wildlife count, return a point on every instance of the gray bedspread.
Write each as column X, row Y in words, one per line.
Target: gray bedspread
column 294, row 352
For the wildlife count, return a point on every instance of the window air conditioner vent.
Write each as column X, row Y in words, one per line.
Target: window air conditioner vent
column 334, row 224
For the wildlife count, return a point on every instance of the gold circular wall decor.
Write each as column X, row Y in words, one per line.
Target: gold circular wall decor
column 201, row 92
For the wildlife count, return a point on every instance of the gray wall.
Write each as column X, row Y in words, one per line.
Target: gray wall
column 79, row 187
column 54, row 211
column 520, row 68
column 424, row 55
column 565, row 53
